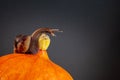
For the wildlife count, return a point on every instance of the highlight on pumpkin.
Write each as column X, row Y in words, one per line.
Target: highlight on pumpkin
column 25, row 65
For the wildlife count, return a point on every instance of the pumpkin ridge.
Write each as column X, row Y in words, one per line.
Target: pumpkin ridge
column 57, row 67
column 31, row 68
column 17, row 57
column 10, row 56
column 51, row 63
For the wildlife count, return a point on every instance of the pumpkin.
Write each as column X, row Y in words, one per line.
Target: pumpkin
column 30, row 60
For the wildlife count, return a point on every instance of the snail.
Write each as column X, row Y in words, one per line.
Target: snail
column 29, row 43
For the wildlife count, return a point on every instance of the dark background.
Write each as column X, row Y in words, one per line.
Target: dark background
column 88, row 48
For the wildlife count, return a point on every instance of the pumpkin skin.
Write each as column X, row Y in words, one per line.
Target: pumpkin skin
column 31, row 67
column 38, row 66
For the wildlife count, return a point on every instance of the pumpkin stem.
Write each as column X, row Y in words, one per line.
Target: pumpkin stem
column 43, row 41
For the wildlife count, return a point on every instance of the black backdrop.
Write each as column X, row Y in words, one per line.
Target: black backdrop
column 88, row 48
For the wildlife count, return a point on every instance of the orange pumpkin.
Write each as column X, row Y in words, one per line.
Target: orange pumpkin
column 30, row 60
